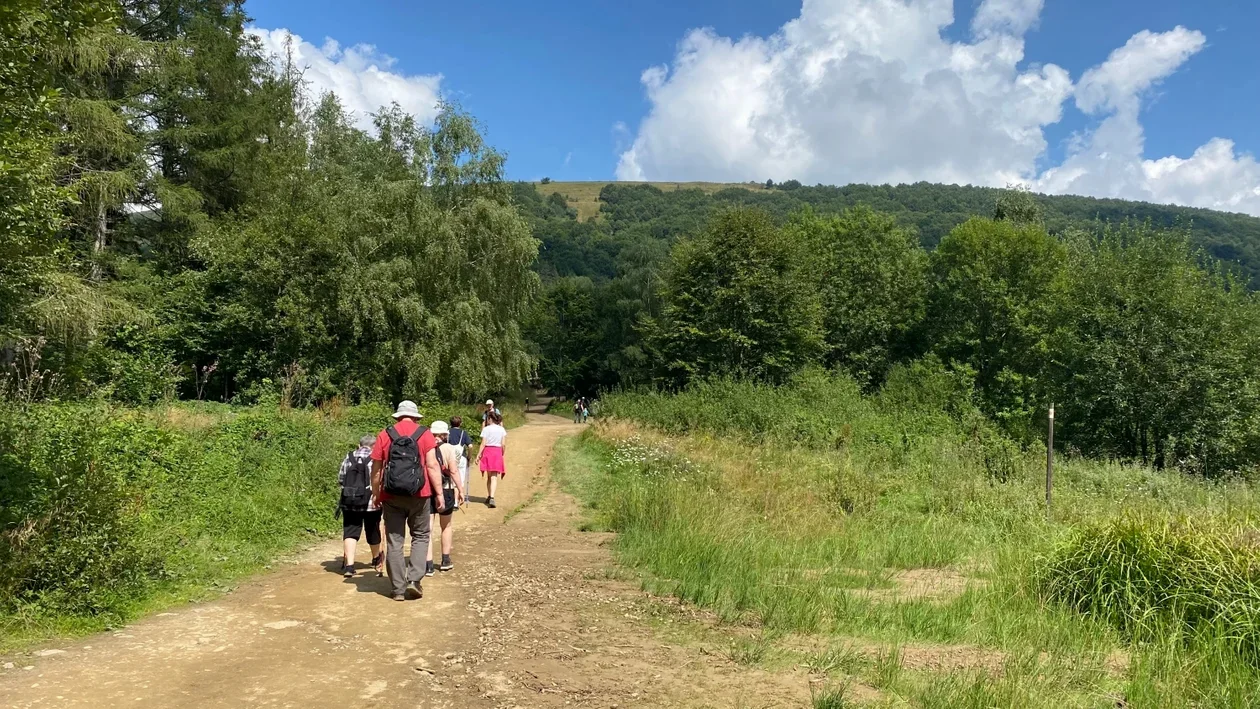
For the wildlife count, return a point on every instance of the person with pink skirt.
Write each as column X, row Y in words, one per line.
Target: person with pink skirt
column 490, row 457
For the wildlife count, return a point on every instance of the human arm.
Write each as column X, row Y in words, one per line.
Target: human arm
column 452, row 466
column 378, row 480
column 434, row 471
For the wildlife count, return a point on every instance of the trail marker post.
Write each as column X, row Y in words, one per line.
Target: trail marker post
column 1050, row 460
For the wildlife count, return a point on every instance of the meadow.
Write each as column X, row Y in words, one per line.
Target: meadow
column 900, row 549
column 111, row 512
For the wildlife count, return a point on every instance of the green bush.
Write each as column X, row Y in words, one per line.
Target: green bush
column 106, row 506
column 1152, row 577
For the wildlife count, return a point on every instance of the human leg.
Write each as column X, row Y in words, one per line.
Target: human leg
column 418, row 519
column 351, row 530
column 492, row 484
column 395, row 513
column 448, row 534
column 374, row 527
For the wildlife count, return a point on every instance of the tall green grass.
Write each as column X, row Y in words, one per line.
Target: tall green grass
column 1155, row 578
column 794, row 508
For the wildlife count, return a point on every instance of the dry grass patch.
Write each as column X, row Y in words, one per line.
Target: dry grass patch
column 584, row 196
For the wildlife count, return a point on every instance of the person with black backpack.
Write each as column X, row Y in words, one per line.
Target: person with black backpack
column 405, row 475
column 358, row 507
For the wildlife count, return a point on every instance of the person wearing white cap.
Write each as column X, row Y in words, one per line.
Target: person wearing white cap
column 489, row 407
column 405, row 476
column 452, row 489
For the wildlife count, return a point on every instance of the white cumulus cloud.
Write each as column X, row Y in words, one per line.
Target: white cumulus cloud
column 359, row 75
column 872, row 91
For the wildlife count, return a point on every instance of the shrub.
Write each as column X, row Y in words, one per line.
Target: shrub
column 105, row 505
column 1148, row 577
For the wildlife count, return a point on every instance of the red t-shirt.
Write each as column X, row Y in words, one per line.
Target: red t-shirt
column 406, row 427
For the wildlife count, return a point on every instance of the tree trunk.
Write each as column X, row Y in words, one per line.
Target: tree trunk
column 100, row 240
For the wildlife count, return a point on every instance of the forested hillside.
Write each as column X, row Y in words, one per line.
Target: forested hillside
column 1123, row 319
column 666, row 210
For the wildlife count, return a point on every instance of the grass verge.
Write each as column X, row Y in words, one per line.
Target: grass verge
column 899, row 559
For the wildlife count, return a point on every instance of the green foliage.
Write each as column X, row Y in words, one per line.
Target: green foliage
column 1155, row 577
column 565, row 328
column 1155, row 356
column 872, row 279
column 109, row 506
column 391, row 264
column 33, row 35
column 990, row 309
column 737, row 301
column 1018, row 206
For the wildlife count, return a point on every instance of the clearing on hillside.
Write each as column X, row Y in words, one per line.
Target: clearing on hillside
column 584, row 196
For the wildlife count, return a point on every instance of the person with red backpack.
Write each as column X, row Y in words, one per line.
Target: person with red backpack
column 405, row 475
column 358, row 507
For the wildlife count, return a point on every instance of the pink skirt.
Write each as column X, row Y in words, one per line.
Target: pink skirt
column 492, row 460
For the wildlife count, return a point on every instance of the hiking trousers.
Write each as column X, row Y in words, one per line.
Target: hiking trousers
column 402, row 513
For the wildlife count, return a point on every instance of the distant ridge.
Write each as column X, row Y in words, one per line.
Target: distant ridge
column 935, row 209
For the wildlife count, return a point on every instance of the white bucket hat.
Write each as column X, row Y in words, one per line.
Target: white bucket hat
column 489, row 402
column 407, row 409
column 439, row 427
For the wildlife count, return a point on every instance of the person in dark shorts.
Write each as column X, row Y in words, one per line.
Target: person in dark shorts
column 359, row 509
column 452, row 490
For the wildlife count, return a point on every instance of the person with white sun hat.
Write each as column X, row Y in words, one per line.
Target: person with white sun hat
column 405, row 478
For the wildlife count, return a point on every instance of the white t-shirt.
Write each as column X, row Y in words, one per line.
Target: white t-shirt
column 493, row 435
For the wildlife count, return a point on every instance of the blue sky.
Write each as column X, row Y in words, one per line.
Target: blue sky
column 1110, row 98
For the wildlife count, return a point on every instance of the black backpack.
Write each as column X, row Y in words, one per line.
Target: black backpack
column 404, row 475
column 356, row 487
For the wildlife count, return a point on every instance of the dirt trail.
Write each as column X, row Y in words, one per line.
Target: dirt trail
column 526, row 619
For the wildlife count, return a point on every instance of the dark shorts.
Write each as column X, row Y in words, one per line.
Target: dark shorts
column 352, row 524
column 450, row 503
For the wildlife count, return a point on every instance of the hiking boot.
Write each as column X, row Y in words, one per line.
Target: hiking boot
column 399, row 597
column 428, row 568
column 446, row 563
column 347, row 570
column 415, row 590
column 490, row 502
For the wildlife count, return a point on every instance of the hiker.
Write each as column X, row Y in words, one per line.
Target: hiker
column 405, row 475
column 485, row 415
column 452, row 490
column 358, row 507
column 586, row 409
column 459, row 439
column 490, row 457
column 577, row 410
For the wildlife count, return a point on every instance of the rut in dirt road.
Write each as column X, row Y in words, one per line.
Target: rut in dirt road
column 525, row 619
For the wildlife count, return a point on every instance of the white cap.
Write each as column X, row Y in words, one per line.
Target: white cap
column 489, row 402
column 439, row 427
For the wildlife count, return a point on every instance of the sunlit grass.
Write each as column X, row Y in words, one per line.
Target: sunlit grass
column 809, row 540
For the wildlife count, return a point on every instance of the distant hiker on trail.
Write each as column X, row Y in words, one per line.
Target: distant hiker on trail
column 485, row 415
column 586, row 409
column 577, row 410
column 358, row 507
column 452, row 490
column 460, row 440
column 490, row 457
column 405, row 475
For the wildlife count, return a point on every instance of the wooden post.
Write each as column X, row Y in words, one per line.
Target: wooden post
column 1050, row 460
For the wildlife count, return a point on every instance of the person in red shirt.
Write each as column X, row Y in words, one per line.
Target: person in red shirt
column 401, row 511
